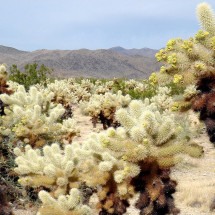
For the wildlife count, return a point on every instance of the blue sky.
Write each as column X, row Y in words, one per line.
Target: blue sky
column 94, row 24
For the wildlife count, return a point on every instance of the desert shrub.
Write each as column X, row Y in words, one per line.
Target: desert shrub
column 31, row 75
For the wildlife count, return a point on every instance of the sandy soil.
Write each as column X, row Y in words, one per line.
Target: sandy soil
column 195, row 177
column 196, row 182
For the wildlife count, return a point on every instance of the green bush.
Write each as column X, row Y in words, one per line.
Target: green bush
column 31, row 75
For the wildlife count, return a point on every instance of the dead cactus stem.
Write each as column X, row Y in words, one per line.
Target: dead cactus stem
column 5, row 208
column 204, row 103
column 156, row 189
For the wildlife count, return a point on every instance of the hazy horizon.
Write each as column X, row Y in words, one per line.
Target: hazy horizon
column 97, row 24
column 76, row 49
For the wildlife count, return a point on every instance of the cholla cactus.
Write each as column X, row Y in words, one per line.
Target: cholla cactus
column 188, row 59
column 33, row 118
column 163, row 98
column 147, row 141
column 68, row 91
column 190, row 92
column 206, row 17
column 184, row 102
column 60, row 171
column 115, row 161
column 62, row 92
column 131, row 84
column 52, row 168
column 68, row 205
column 3, row 80
column 82, row 90
column 134, row 85
column 4, row 87
column 153, row 79
column 86, row 84
column 13, row 85
column 103, row 107
column 194, row 61
column 62, row 95
column 147, row 129
column 102, row 88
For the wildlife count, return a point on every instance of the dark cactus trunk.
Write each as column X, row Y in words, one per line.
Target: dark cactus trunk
column 5, row 208
column 205, row 104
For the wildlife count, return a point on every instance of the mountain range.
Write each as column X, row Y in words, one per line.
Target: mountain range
column 102, row 63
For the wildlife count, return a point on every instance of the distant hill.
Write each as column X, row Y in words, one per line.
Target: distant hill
column 102, row 63
column 145, row 52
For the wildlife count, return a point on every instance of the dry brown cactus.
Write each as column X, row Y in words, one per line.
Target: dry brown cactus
column 5, row 208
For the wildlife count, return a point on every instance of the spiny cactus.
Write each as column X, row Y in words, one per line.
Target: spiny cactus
column 33, row 118
column 7, row 177
column 103, row 107
column 59, row 171
column 70, row 204
column 135, row 156
column 62, row 92
column 4, row 87
column 188, row 58
column 190, row 92
column 206, row 17
column 194, row 61
column 52, row 167
column 117, row 162
column 163, row 98
column 184, row 102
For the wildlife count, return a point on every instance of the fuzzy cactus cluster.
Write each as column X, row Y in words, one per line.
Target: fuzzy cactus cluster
column 62, row 95
column 73, row 91
column 62, row 92
column 4, row 87
column 194, row 61
column 70, row 204
column 81, row 91
column 141, row 141
column 58, row 170
column 134, row 85
column 102, row 87
column 149, row 131
column 13, row 85
column 118, row 163
column 133, row 158
column 163, row 98
column 103, row 107
column 137, row 89
column 68, row 91
column 52, row 167
column 145, row 146
column 190, row 91
column 33, row 118
column 184, row 102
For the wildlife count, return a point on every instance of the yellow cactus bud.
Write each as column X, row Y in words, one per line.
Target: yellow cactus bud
column 177, row 78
